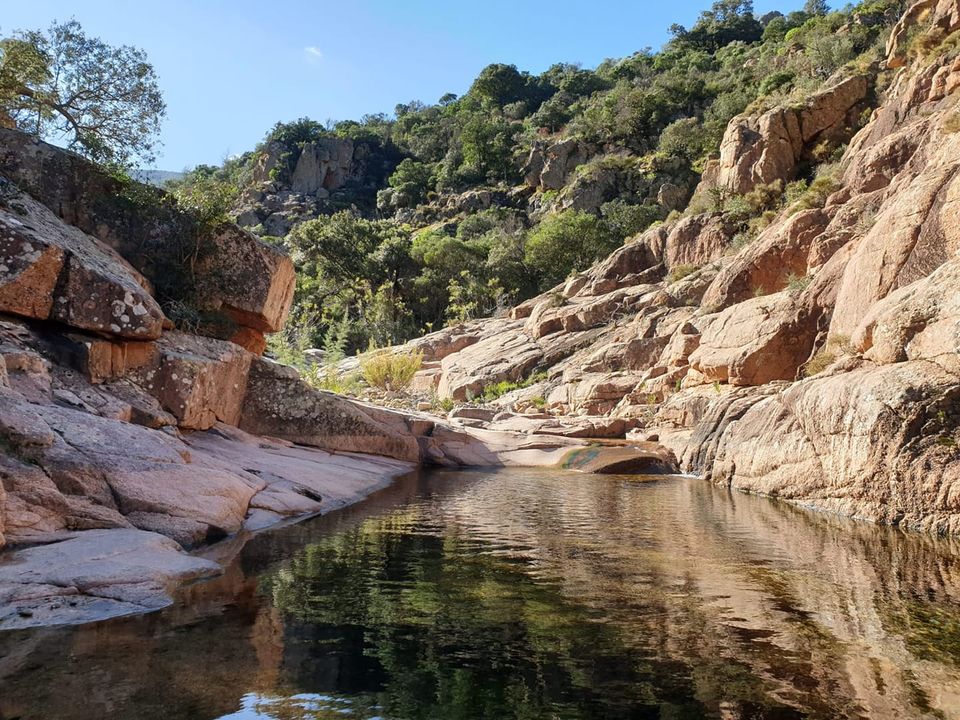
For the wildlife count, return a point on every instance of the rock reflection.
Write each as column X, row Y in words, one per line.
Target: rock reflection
column 530, row 594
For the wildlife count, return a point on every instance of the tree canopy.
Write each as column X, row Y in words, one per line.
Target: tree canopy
column 65, row 86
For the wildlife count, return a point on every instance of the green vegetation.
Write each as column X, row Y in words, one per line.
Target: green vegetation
column 499, row 389
column 566, row 243
column 680, row 272
column 390, row 371
column 835, row 347
column 64, row 84
column 435, row 232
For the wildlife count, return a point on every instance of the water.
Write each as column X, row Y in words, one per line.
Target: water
column 529, row 594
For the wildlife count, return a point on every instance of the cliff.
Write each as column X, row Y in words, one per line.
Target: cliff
column 816, row 361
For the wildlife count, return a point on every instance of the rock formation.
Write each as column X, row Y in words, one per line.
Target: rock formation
column 818, row 363
column 125, row 440
column 291, row 184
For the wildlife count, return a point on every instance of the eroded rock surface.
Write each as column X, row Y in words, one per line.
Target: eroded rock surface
column 816, row 362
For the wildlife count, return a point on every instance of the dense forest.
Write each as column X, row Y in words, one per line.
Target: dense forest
column 449, row 216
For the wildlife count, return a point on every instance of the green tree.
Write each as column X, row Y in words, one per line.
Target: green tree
column 412, row 179
column 488, row 146
column 500, row 84
column 65, row 86
column 725, row 22
column 565, row 243
column 816, row 7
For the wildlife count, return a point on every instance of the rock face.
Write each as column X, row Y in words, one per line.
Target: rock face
column 295, row 182
column 227, row 270
column 323, row 165
column 549, row 165
column 818, row 363
column 52, row 271
column 279, row 404
column 761, row 149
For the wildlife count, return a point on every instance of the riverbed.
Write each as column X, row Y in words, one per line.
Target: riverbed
column 528, row 594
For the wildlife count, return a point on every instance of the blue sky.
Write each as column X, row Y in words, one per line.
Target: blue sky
column 230, row 69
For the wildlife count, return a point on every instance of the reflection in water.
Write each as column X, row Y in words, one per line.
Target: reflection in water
column 529, row 594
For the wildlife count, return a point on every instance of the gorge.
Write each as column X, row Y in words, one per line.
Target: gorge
column 633, row 342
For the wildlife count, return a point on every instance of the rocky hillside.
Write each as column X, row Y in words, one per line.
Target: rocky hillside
column 815, row 360
column 401, row 223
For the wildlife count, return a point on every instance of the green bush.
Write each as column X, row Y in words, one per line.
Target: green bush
column 565, row 243
column 679, row 272
column 390, row 371
column 776, row 81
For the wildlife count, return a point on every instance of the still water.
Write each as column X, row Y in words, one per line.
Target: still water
column 529, row 594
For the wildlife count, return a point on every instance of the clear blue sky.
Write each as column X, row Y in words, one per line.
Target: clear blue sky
column 230, row 69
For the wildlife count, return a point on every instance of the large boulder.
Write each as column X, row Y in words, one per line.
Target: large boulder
column 762, row 149
column 693, row 241
column 67, row 469
column 549, row 164
column 755, row 342
column 279, row 404
column 51, row 271
column 93, row 575
column 875, row 443
column 915, row 232
column 766, row 265
column 324, row 164
column 201, row 381
column 918, row 322
column 224, row 269
column 250, row 281
column 510, row 355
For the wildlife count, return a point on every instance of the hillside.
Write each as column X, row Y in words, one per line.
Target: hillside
column 457, row 210
column 813, row 358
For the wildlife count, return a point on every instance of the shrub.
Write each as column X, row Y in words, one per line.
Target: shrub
column 679, row 272
column 835, row 347
column 625, row 220
column 327, row 378
column 776, row 81
column 497, row 390
column 815, row 196
column 952, row 124
column 798, row 282
column 823, row 359
column 390, row 371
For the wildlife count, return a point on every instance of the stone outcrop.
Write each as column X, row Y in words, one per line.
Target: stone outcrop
column 323, row 165
column 765, row 148
column 818, row 361
column 279, row 404
column 549, row 165
column 227, row 269
column 295, row 182
column 248, row 280
column 51, row 271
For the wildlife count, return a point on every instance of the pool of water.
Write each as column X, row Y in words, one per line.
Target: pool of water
column 528, row 594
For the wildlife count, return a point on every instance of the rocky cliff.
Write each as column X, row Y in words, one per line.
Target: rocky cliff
column 815, row 362
column 291, row 183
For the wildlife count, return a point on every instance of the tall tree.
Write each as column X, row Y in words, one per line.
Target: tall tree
column 64, row 86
